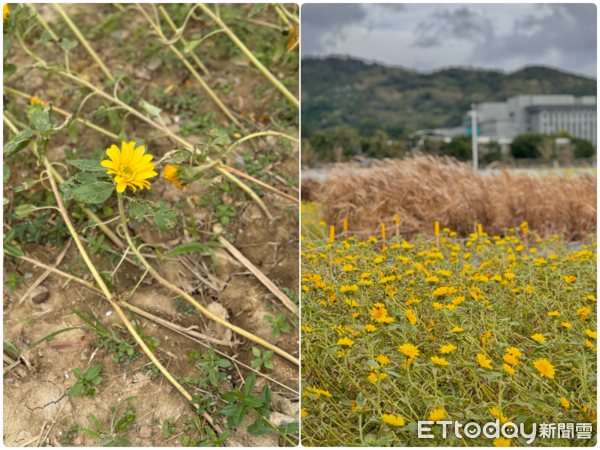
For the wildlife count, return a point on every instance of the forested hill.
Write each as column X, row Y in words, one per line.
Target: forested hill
column 349, row 92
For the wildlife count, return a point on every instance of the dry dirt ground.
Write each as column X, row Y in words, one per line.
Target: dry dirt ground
column 34, row 397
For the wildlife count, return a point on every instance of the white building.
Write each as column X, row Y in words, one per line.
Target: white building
column 544, row 114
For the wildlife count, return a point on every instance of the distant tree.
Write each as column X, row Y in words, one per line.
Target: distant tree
column 526, row 145
column 493, row 153
column 460, row 148
column 368, row 126
column 583, row 148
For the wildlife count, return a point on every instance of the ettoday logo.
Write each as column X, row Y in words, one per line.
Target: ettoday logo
column 510, row 430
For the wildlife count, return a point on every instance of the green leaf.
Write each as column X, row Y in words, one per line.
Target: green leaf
column 249, row 385
column 24, row 210
column 268, row 354
column 150, row 109
column 78, row 373
column 96, row 422
column 230, row 396
column 93, row 372
column 45, row 38
column 26, row 183
column 289, row 428
column 136, row 211
column 94, row 193
column 265, row 395
column 229, row 410
column 13, row 251
column 90, row 433
column 8, row 70
column 252, row 402
column 6, row 173
column 89, row 165
column 67, row 45
column 50, row 336
column 256, row 352
column 73, row 130
column 54, row 128
column 257, row 363
column 76, row 389
column 238, row 416
column 259, row 427
column 269, row 365
column 165, row 220
column 18, row 143
column 41, row 120
column 191, row 45
column 6, row 47
column 257, row 8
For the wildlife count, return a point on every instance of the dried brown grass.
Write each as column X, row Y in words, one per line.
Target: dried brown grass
column 425, row 189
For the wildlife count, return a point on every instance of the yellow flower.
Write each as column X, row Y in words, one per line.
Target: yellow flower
column 538, row 337
column 383, row 360
column 437, row 415
column 36, row 101
column 345, row 341
column 433, row 279
column 554, row 314
column 566, row 325
column 508, row 369
column 483, row 361
column 170, row 174
column 439, row 361
column 448, row 348
column 370, row 328
column 570, row 279
column 5, row 11
column 411, row 317
column 498, row 416
column 545, row 368
column 457, row 329
column 395, row 421
column 529, row 290
column 512, row 360
column 592, row 334
column 438, row 306
column 502, row 441
column 303, row 413
column 514, row 351
column 373, row 377
column 565, row 402
column 131, row 167
column 409, row 350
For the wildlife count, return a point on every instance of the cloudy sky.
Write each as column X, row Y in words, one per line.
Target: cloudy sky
column 427, row 37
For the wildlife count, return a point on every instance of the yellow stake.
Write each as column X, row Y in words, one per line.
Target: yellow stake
column 331, row 234
column 345, row 229
column 383, row 230
column 479, row 229
column 437, row 234
column 397, row 224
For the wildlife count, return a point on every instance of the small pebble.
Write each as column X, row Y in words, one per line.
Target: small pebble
column 40, row 294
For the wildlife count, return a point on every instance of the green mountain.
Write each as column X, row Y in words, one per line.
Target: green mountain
column 364, row 96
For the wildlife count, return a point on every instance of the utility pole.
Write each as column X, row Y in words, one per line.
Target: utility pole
column 474, row 135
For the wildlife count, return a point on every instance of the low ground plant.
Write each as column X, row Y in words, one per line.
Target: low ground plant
column 489, row 327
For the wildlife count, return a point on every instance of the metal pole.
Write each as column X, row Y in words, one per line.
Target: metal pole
column 474, row 135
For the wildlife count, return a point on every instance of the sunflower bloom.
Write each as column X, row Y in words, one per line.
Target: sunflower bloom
column 345, row 341
column 395, row 421
column 383, row 360
column 171, row 175
column 457, row 329
column 440, row 361
column 130, row 166
column 448, row 348
column 437, row 415
column 545, row 368
column 303, row 413
column 508, row 369
column 411, row 317
column 565, row 402
column 501, row 442
column 5, row 11
column 511, row 359
column 483, row 361
column 514, row 351
column 538, row 337
column 592, row 334
column 409, row 350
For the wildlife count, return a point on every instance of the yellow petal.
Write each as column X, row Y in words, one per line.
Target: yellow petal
column 114, row 154
column 142, row 161
column 144, row 175
column 137, row 156
column 111, row 172
column 118, row 179
column 121, row 186
column 109, row 164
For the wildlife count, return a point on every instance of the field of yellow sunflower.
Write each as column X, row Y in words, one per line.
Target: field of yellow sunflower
column 477, row 329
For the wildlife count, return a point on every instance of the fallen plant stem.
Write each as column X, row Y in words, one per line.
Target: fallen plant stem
column 190, row 299
column 42, row 22
column 60, row 272
column 91, row 214
column 287, row 94
column 83, row 41
column 111, row 297
column 183, row 40
column 193, row 71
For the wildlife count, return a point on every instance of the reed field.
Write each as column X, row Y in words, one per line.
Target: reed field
column 499, row 325
column 423, row 189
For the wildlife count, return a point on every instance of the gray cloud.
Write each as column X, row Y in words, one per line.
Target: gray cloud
column 462, row 23
column 425, row 36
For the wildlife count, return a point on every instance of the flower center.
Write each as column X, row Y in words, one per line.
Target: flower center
column 127, row 173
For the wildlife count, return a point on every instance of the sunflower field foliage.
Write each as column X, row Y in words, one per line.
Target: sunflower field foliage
column 477, row 329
